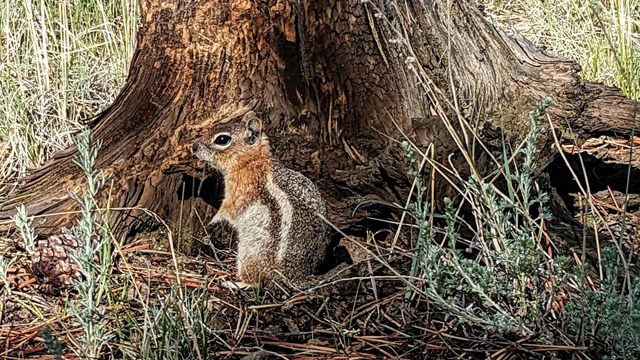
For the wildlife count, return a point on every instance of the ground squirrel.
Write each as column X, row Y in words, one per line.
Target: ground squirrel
column 277, row 212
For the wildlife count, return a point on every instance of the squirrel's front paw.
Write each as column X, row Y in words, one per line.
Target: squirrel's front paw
column 217, row 218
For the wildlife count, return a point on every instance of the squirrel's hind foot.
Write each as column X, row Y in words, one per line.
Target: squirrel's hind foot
column 236, row 285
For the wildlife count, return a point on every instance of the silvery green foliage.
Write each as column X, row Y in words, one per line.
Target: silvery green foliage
column 92, row 255
column 24, row 224
column 85, row 226
column 419, row 208
column 608, row 315
column 502, row 281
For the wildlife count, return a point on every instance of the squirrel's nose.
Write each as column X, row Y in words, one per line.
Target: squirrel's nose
column 196, row 146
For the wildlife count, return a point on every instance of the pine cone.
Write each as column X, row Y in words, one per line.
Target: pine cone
column 52, row 264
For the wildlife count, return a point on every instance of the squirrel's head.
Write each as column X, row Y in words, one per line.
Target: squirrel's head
column 232, row 144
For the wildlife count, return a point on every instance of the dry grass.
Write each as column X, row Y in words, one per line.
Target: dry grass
column 602, row 36
column 61, row 62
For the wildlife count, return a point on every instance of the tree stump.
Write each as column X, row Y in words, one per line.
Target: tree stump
column 333, row 83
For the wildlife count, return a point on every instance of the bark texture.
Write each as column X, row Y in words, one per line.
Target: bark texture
column 334, row 84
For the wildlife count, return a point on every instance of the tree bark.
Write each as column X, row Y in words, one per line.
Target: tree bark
column 333, row 83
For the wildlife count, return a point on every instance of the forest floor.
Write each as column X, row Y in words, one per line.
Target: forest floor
column 148, row 300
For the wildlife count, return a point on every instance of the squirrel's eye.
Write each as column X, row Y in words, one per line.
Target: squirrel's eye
column 222, row 140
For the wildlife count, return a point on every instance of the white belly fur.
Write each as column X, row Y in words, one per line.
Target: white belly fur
column 252, row 226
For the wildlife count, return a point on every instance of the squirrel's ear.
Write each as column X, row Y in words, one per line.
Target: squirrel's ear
column 254, row 130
